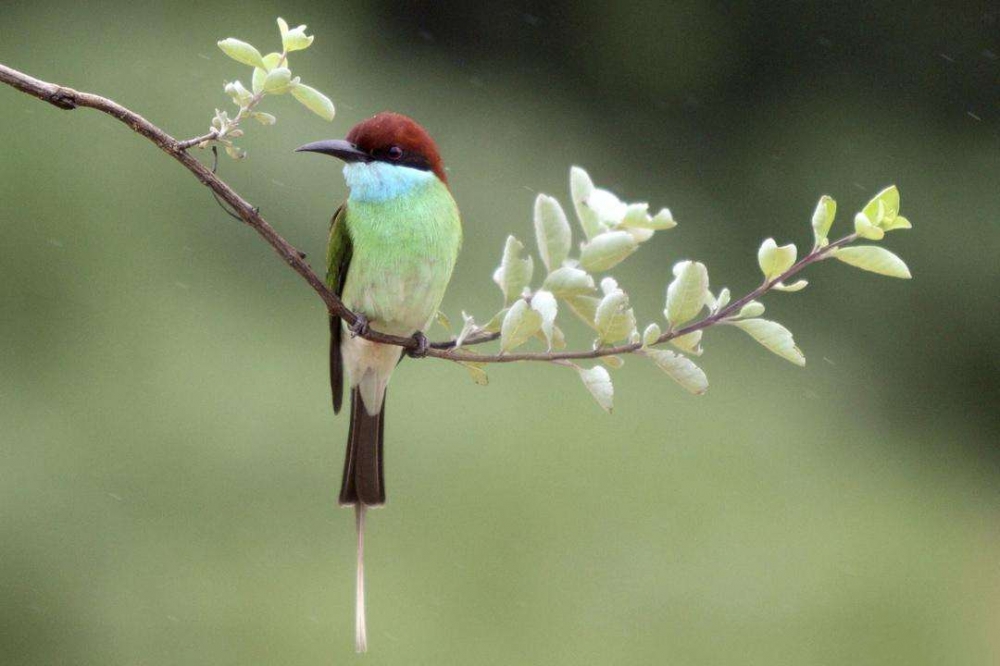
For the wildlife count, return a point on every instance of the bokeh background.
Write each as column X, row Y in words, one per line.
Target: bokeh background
column 168, row 456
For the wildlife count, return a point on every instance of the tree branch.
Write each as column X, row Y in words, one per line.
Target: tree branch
column 67, row 98
column 724, row 313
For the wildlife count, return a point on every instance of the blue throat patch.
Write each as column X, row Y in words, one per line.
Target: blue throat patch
column 379, row 181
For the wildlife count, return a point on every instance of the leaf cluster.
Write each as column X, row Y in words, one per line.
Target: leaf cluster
column 612, row 231
column 271, row 76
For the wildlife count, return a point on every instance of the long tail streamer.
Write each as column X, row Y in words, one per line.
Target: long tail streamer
column 360, row 631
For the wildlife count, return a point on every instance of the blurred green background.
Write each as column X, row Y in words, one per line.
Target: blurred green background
column 168, row 456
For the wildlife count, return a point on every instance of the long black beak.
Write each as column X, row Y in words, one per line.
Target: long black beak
column 345, row 150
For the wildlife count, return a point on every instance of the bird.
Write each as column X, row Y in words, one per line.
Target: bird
column 392, row 248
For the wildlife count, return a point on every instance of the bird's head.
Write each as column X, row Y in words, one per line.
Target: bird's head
column 386, row 143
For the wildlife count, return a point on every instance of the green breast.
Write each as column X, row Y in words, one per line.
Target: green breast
column 404, row 249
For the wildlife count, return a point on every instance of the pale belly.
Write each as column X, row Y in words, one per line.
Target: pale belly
column 399, row 298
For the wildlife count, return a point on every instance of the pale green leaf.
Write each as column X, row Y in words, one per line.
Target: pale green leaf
column 514, row 273
column 558, row 339
column 680, row 368
column 614, row 320
column 569, row 281
column 721, row 301
column 774, row 260
column 751, row 309
column 774, row 337
column 519, row 324
column 581, row 187
column 690, row 343
column 241, row 52
column 277, row 80
column 638, row 233
column 637, row 217
column 662, row 220
column 651, row 335
column 612, row 361
column 314, row 100
column 584, row 307
column 494, row 324
column 271, row 60
column 688, row 292
column 874, row 259
column 477, row 371
column 598, row 382
column 443, row 321
column 608, row 285
column 264, row 118
column 822, row 219
column 610, row 210
column 883, row 207
column 552, row 231
column 544, row 303
column 606, row 250
column 295, row 39
column 798, row 285
column 899, row 223
column 241, row 96
column 863, row 227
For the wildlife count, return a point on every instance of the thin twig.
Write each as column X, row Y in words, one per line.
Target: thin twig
column 215, row 170
column 189, row 143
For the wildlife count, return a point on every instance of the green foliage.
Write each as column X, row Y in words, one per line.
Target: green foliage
column 680, row 368
column 773, row 336
column 519, row 324
column 612, row 231
column 614, row 319
column 514, row 273
column 271, row 76
column 874, row 259
column 774, row 260
column 598, row 382
column 822, row 220
column 687, row 294
column 552, row 231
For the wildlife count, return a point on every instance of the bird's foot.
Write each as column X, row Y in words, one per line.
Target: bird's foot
column 420, row 350
column 360, row 326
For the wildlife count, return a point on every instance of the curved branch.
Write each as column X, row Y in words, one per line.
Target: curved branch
column 67, row 98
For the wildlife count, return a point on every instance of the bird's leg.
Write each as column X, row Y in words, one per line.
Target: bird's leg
column 360, row 326
column 422, row 346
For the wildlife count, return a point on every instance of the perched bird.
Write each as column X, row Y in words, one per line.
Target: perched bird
column 392, row 248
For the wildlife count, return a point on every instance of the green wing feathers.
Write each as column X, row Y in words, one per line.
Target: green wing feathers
column 338, row 260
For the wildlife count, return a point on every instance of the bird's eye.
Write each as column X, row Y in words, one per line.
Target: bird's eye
column 395, row 152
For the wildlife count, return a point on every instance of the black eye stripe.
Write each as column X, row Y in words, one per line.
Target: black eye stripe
column 396, row 155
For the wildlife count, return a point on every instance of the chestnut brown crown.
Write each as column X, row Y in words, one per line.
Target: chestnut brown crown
column 397, row 139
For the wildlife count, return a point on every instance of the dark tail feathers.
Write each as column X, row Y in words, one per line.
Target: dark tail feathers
column 363, row 480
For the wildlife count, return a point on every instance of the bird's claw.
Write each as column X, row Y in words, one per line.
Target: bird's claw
column 360, row 326
column 420, row 350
